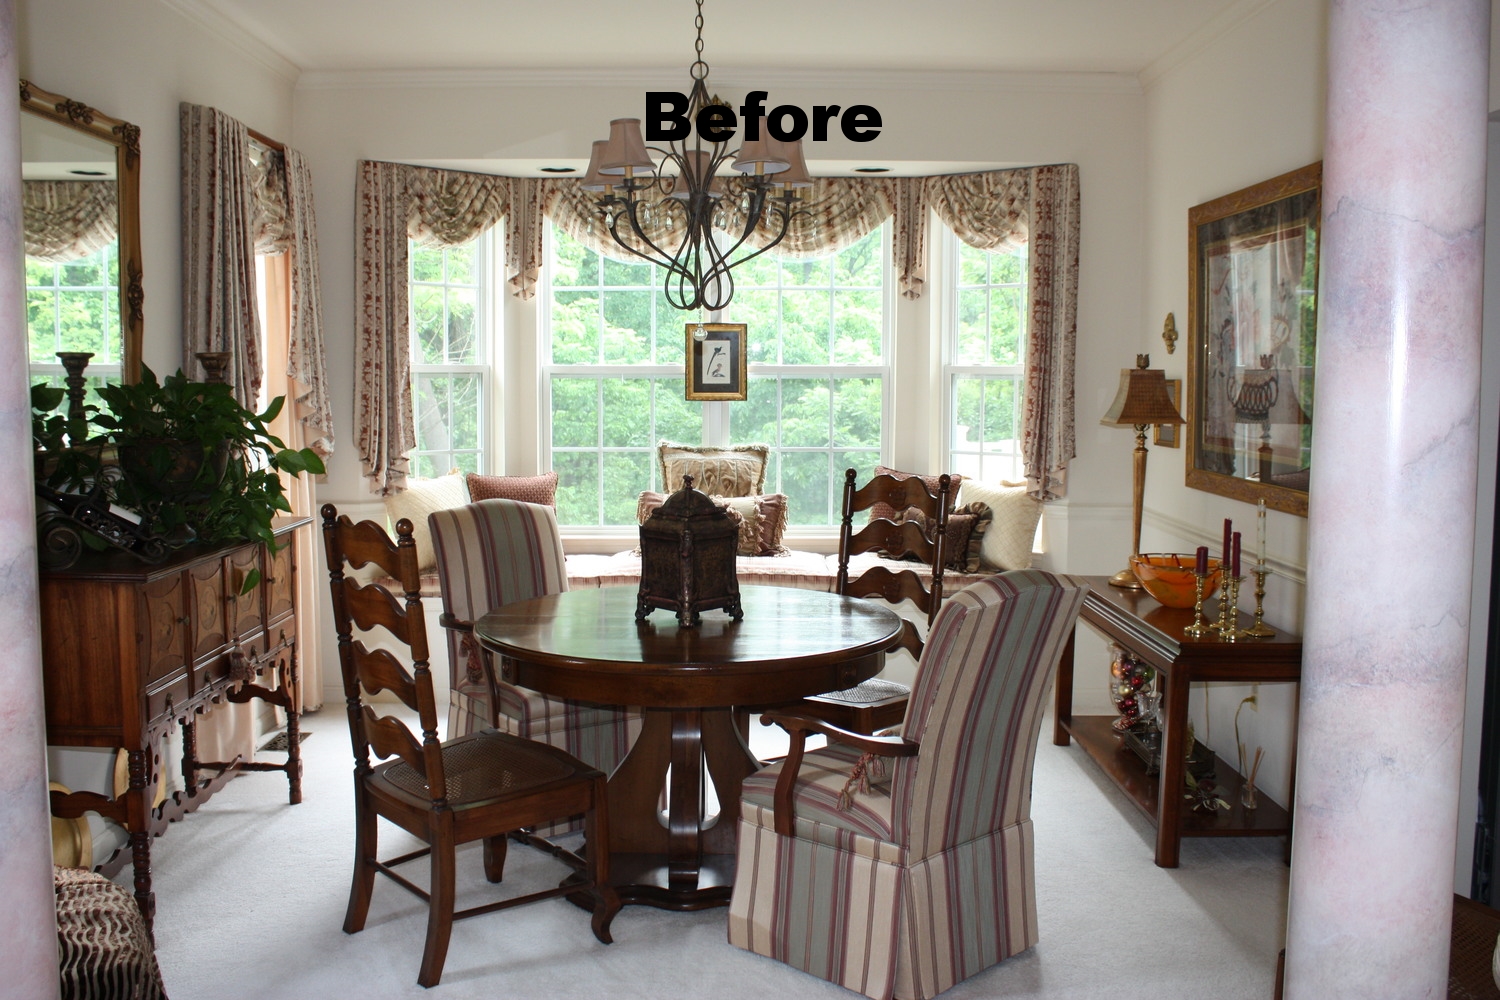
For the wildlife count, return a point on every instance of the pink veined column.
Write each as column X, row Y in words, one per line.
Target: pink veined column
column 1391, row 508
column 28, row 921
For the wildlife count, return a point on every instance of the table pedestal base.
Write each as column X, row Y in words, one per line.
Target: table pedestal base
column 683, row 860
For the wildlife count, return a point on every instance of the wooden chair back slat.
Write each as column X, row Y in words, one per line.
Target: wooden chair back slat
column 881, row 535
column 893, row 586
column 371, row 606
column 379, row 670
column 389, row 737
column 899, row 493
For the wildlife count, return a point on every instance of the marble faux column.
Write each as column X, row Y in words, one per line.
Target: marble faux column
column 28, row 922
column 1391, row 507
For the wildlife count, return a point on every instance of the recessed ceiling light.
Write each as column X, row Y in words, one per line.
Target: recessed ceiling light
column 89, row 173
column 872, row 170
column 559, row 170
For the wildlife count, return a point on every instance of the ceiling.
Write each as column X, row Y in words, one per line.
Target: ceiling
column 1094, row 36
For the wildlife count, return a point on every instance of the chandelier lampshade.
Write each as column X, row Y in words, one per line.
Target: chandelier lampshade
column 694, row 207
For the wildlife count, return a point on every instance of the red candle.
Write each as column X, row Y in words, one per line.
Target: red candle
column 1234, row 564
column 1224, row 556
column 1202, row 567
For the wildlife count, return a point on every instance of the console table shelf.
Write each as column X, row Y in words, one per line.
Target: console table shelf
column 1153, row 633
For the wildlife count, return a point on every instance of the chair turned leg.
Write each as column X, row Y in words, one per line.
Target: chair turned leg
column 596, row 838
column 439, row 909
column 494, row 857
column 366, row 837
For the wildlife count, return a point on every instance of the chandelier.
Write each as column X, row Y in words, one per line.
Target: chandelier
column 679, row 198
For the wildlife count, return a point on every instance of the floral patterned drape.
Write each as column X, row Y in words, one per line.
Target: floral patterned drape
column 1036, row 205
column 218, row 247
column 66, row 220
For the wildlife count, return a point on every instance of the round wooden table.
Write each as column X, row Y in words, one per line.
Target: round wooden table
column 587, row 645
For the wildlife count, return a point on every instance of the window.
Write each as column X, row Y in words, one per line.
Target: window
column 985, row 352
column 450, row 371
column 75, row 307
column 816, row 338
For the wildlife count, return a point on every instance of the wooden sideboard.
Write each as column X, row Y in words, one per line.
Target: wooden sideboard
column 1153, row 633
column 131, row 649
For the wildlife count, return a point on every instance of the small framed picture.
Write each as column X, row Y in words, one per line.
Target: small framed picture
column 716, row 363
column 1168, row 435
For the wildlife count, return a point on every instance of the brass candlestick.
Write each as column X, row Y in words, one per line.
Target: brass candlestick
column 1260, row 630
column 1198, row 629
column 1229, row 611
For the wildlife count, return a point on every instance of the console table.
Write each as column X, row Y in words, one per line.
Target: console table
column 1152, row 633
column 130, row 649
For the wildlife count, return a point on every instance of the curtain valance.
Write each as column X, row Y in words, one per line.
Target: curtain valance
column 990, row 210
column 66, row 220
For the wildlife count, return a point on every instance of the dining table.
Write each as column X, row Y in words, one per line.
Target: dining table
column 696, row 687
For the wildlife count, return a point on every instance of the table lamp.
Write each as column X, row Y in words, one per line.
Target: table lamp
column 1143, row 400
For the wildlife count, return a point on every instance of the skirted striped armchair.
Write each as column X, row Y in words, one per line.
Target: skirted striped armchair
column 497, row 552
column 898, row 866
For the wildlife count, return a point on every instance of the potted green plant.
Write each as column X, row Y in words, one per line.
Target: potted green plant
column 185, row 457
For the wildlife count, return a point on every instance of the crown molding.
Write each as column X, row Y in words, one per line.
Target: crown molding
column 1190, row 46
column 729, row 79
column 227, row 30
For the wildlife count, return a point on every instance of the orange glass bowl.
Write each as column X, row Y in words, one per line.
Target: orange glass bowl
column 1168, row 577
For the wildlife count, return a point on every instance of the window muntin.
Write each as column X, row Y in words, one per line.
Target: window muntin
column 816, row 333
column 985, row 351
column 450, row 371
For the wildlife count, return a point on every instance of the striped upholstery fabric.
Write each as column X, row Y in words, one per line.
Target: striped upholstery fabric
column 103, row 947
column 927, row 878
column 496, row 552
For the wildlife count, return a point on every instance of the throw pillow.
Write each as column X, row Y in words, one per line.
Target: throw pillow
column 737, row 471
column 763, row 522
column 885, row 510
column 742, row 511
column 964, row 538
column 420, row 498
column 525, row 489
column 1007, row 543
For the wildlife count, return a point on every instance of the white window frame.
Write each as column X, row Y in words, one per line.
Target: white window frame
column 97, row 372
column 951, row 270
column 488, row 321
column 716, row 414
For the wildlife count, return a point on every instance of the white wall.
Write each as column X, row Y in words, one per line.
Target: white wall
column 137, row 60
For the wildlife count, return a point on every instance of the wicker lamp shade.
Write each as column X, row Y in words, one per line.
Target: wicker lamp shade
column 1143, row 398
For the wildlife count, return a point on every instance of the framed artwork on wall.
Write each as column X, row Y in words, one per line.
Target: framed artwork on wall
column 716, row 363
column 1252, row 331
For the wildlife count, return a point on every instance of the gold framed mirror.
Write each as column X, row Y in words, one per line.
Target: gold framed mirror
column 80, row 171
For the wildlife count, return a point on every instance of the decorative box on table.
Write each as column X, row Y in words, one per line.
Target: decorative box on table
column 688, row 548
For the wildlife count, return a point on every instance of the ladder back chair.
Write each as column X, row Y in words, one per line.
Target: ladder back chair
column 481, row 786
column 879, row 703
column 902, row 865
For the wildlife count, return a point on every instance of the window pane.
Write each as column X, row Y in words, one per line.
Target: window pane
column 464, row 419
column 805, row 409
column 460, row 264
column 41, row 319
column 974, row 265
column 857, row 327
column 805, row 480
column 677, row 418
column 1007, row 323
column 627, row 414
column 427, row 264
column 463, row 339
column 577, row 486
column 758, row 310
column 575, row 413
column 809, row 273
column 856, row 418
column 804, row 327
column 625, row 476
column 619, row 272
column 755, row 419
column 427, row 323
column 968, row 415
column 973, row 325
column 431, row 403
column 1000, row 431
column 861, row 263
column 575, row 328
column 574, row 264
column 627, row 328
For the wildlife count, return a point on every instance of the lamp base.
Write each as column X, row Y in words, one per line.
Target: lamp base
column 1126, row 580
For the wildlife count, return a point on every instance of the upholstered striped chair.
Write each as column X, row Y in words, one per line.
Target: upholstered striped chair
column 904, row 881
column 498, row 552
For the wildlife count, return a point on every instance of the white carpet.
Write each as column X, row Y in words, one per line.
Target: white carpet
column 251, row 896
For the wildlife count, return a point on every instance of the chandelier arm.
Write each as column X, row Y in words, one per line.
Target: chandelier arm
column 724, row 266
column 664, row 259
